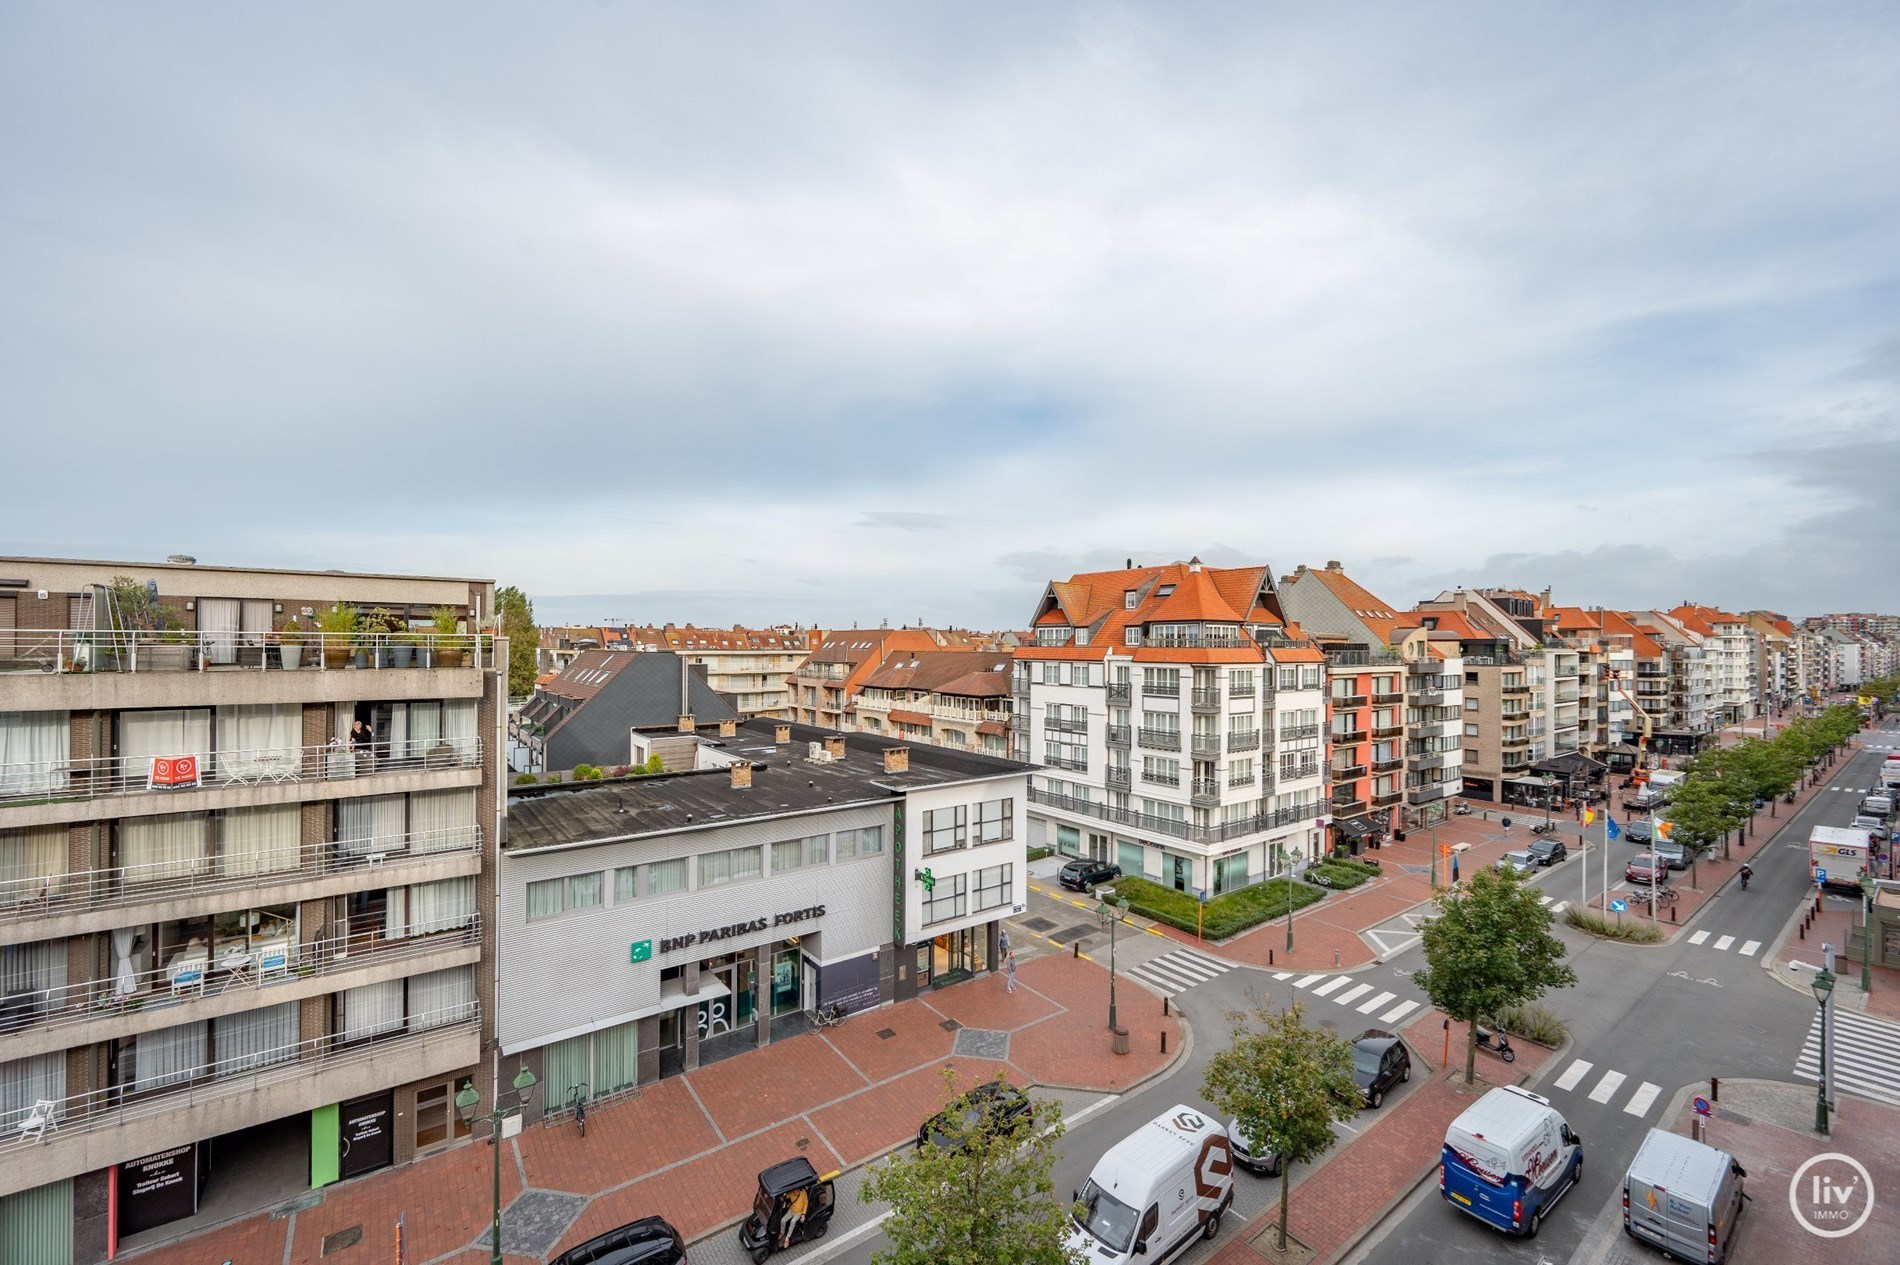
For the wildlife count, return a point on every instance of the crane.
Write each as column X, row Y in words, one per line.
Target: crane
column 1649, row 728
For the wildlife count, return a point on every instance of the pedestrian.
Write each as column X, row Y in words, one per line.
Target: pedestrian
column 1002, row 941
column 1009, row 969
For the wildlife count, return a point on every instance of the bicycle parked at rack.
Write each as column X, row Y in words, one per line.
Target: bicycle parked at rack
column 827, row 1016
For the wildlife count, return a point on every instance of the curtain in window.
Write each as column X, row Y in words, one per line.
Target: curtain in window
column 458, row 730
column 565, row 1065
column 259, row 740
column 32, row 969
column 171, row 846
column 787, row 854
column 370, row 1010
column 437, row 906
column 29, row 861
column 255, row 1038
column 442, row 820
column 395, row 735
column 425, row 728
column 395, row 913
column 616, row 1058
column 547, row 897
column 33, row 752
column 218, row 628
column 258, row 840
column 24, row 1082
column 176, row 732
column 124, row 977
column 715, row 868
column 371, row 824
column 254, row 622
column 666, row 876
column 623, row 885
column 168, row 1056
column 441, row 997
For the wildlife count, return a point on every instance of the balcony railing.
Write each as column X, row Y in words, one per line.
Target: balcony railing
column 1387, row 799
column 1160, row 777
column 1428, row 698
column 120, row 1105
column 1431, row 791
column 1386, row 766
column 1426, row 665
column 1516, row 713
column 1241, row 689
column 1566, row 696
column 1293, row 733
column 1387, row 700
column 78, row 891
column 1206, row 700
column 1246, row 741
column 1346, row 772
column 1119, row 691
column 1206, row 746
column 1387, row 731
column 1513, row 762
column 1072, row 763
column 1347, row 737
column 1205, row 790
column 1160, row 739
column 1240, row 779
column 1117, row 735
column 1067, row 725
column 1196, row 640
column 1347, row 702
column 1174, row 829
column 255, row 968
column 1161, row 689
column 1118, row 776
column 1348, row 807
column 1519, row 740
column 81, row 650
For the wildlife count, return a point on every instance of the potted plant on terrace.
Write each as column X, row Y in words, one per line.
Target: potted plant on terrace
column 381, row 627
column 448, row 622
column 338, row 625
column 290, row 643
column 411, row 648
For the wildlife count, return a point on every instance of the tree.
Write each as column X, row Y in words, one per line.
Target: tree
column 1488, row 949
column 1699, row 816
column 1286, row 1084
column 989, row 1195
column 524, row 639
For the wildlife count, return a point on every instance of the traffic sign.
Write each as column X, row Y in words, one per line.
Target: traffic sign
column 1820, row 877
column 1702, row 1106
column 1618, row 906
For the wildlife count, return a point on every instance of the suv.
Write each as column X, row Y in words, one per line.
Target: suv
column 1083, row 873
column 1379, row 1061
column 1548, row 851
column 993, row 1107
column 1265, row 1163
column 648, row 1241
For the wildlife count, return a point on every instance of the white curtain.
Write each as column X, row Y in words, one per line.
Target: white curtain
column 422, row 724
column 371, row 824
column 395, row 913
column 458, row 729
column 125, row 977
column 24, row 1082
column 177, row 732
column 441, row 820
column 163, row 847
column 371, row 1009
column 33, row 752
column 218, row 627
column 255, row 622
column 395, row 735
column 441, row 997
column 32, row 968
column 258, row 840
column 168, row 1056
column 29, row 861
column 259, row 739
column 256, row 1038
column 440, row 905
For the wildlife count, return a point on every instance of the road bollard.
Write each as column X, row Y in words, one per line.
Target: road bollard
column 1164, row 1043
column 1672, row 913
column 1803, row 932
column 1075, row 949
column 1335, row 959
column 1164, row 1007
column 1269, row 957
column 1715, row 1089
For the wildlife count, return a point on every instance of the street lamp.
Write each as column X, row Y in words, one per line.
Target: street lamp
column 465, row 1104
column 1293, row 855
column 1550, row 791
column 1866, row 957
column 1109, row 915
column 1823, row 991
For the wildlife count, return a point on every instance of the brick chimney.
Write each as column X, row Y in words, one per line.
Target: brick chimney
column 782, row 733
column 834, row 746
column 741, row 776
column 897, row 759
column 686, row 723
column 727, row 728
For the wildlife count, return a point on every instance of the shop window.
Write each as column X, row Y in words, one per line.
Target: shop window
column 436, row 1121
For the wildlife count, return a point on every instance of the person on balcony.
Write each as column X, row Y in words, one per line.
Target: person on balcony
column 362, row 742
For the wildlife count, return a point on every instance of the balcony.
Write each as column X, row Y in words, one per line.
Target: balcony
column 1295, row 733
column 1117, row 776
column 1206, row 746
column 1065, row 725
column 1160, row 777
column 1425, row 665
column 1386, row 766
column 1432, row 697
column 1205, row 791
column 1347, row 807
column 1205, row 700
column 1347, row 772
column 1519, row 688
column 1160, row 739
column 1431, row 792
column 1387, row 799
column 1516, row 713
column 1515, row 761
column 1179, row 829
column 1566, row 696
column 1161, row 689
column 1387, row 700
column 1074, row 764
column 1119, row 691
column 1347, row 702
column 1247, row 741
column 1117, row 736
column 1347, row 737
column 1241, row 690
column 79, row 651
column 1387, row 731
column 1196, row 640
column 1240, row 779
column 1436, row 759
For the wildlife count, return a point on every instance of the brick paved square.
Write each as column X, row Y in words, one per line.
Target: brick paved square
column 619, row 1145
column 918, row 1040
column 765, row 1086
column 888, row 1114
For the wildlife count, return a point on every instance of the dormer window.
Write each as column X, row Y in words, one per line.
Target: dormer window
column 1165, row 590
column 1131, row 635
column 1081, row 636
column 1129, row 599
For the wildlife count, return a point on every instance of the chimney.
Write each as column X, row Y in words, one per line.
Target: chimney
column 686, row 723
column 1332, row 564
column 834, row 746
column 897, row 759
column 728, row 728
column 782, row 733
column 741, row 776
column 1194, row 563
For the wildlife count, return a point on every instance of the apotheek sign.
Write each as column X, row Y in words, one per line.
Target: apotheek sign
column 786, row 919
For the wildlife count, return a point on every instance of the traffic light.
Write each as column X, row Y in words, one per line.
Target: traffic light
column 928, row 879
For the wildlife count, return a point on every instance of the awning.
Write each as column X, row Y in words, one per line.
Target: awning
column 1357, row 826
column 1570, row 764
column 1621, row 748
column 1538, row 782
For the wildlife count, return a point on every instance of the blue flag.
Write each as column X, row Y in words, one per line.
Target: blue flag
column 1616, row 831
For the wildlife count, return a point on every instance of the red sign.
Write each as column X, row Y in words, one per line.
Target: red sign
column 174, row 771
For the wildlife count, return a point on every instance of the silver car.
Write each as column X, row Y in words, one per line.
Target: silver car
column 1521, row 861
column 1265, row 1163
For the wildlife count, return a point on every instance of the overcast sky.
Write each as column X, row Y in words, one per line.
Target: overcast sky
column 839, row 313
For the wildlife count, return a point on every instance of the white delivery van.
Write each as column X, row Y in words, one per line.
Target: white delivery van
column 1665, row 779
column 1156, row 1191
column 1683, row 1196
column 1508, row 1158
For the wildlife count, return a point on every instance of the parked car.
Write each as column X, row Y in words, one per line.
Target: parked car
column 1083, row 873
column 994, row 1107
column 1266, row 1163
column 1671, row 853
column 1379, row 1061
column 1521, row 861
column 648, row 1241
column 1548, row 851
column 1639, row 831
column 1643, row 868
column 1644, row 800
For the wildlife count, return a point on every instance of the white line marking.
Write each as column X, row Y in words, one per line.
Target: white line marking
column 1376, row 1002
column 1748, row 949
column 1338, row 981
column 1576, row 1072
column 1698, row 937
column 1314, row 979
column 1639, row 1102
column 1397, row 1013
column 1545, row 900
column 1607, row 1087
column 1725, row 942
column 1282, row 975
column 1560, row 906
column 1357, row 990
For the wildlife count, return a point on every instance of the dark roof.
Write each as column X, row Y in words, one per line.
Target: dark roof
column 640, row 690
column 788, row 1175
column 1569, row 764
column 1354, row 826
column 784, row 780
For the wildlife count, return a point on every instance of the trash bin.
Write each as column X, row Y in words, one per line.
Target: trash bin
column 1121, row 1040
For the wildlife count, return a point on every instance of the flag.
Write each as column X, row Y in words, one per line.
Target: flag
column 1589, row 815
column 1616, row 832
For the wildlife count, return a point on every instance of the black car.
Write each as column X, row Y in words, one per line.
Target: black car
column 1548, row 851
column 648, row 1241
column 1083, row 873
column 1639, row 832
column 1379, row 1061
column 993, row 1107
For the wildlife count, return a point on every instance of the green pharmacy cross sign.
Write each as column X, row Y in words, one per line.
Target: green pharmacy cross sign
column 642, row 951
column 928, row 879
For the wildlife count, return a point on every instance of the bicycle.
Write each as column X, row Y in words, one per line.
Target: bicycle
column 577, row 1098
column 827, row 1016
column 1663, row 896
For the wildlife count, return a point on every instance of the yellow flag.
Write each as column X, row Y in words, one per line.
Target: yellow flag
column 1589, row 815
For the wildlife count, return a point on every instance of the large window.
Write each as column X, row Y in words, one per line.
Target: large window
column 945, row 828
column 550, row 896
column 995, row 820
column 737, row 865
column 33, row 752
column 948, row 899
column 994, row 886
column 655, row 878
column 865, row 842
column 792, row 854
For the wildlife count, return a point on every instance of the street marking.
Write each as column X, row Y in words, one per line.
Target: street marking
column 1376, row 1002
column 1314, row 979
column 1358, row 990
column 1283, row 975
column 1180, row 970
column 1576, row 1072
column 1560, row 906
column 1638, row 1105
column 1398, row 1012
column 1607, row 1087
column 1725, row 942
column 1338, row 981
column 1698, row 937
column 1748, row 950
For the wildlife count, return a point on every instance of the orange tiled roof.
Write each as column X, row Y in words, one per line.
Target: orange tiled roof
column 910, row 718
column 1372, row 610
column 995, row 727
column 1453, row 621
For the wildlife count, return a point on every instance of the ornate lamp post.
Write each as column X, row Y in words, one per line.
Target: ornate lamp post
column 1823, row 992
column 465, row 1104
column 1109, row 915
column 1293, row 855
column 1866, row 949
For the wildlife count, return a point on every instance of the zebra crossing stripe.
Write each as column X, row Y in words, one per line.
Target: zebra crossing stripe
column 1546, row 900
column 1337, row 982
column 1725, row 942
column 1397, row 1013
column 1357, row 990
column 1748, row 950
column 1607, row 1087
column 1574, row 1073
column 1638, row 1105
column 1309, row 981
column 1865, row 1053
column 1376, row 1002
column 1282, row 975
column 1560, row 906
column 1698, row 937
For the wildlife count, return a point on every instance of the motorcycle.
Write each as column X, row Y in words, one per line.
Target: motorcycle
column 1461, row 810
column 1544, row 828
column 1746, row 875
column 1497, row 1043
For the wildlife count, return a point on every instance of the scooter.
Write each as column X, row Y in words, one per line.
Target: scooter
column 1746, row 875
column 1461, row 810
column 1544, row 828
column 1497, row 1043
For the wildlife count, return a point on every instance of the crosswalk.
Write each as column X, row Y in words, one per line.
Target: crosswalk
column 1866, row 1056
column 1606, row 1085
column 1724, row 944
column 1553, row 904
column 1176, row 972
column 1351, row 991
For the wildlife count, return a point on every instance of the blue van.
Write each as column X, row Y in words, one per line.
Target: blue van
column 1508, row 1160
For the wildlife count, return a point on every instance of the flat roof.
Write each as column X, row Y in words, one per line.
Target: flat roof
column 243, row 570
column 785, row 781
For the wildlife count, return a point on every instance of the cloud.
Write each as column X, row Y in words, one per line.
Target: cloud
column 905, row 520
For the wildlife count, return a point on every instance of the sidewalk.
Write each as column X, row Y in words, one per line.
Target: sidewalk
column 690, row 1147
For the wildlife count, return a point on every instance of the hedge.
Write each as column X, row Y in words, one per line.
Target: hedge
column 1225, row 915
column 1338, row 874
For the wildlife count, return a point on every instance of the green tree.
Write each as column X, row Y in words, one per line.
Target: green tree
column 989, row 1195
column 1700, row 815
column 1488, row 949
column 1286, row 1084
column 524, row 639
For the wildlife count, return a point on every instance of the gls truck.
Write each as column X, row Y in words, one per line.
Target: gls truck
column 1156, row 1191
column 1840, row 853
column 1508, row 1159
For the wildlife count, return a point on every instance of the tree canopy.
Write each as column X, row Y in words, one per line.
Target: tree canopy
column 524, row 639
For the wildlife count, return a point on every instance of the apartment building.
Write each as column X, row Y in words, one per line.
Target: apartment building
column 948, row 698
column 1777, row 669
column 1734, row 658
column 241, row 876
column 1692, row 712
column 747, row 666
column 826, row 684
column 1177, row 722
column 656, row 925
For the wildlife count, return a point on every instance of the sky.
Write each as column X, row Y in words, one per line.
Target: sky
column 843, row 313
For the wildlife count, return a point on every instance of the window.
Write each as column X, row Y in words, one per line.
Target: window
column 1471, row 704
column 866, row 842
column 944, row 828
column 736, row 865
column 1130, row 598
column 550, row 896
column 995, row 820
column 947, row 899
column 1161, row 722
column 434, row 1119
column 791, row 854
column 1131, row 635
column 1052, row 674
column 1289, row 678
column 1240, row 772
column 994, row 886
column 1161, row 680
column 1161, row 770
column 33, row 752
column 1082, row 639
column 1471, row 731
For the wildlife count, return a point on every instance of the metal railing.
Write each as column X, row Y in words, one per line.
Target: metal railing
column 1196, row 640
column 1205, row 700
column 1245, row 741
column 1348, row 807
column 1206, row 746
column 1205, row 790
column 1240, row 779
column 1428, row 698
column 1119, row 691
column 1239, row 690
column 1347, row 737
column 1346, row 702
column 1160, row 739
column 1386, row 766
column 119, row 1105
column 1118, row 776
column 90, row 777
column 81, row 650
column 1387, row 731
column 252, row 969
column 1064, row 724
column 1387, row 700
column 1161, row 690
column 1516, row 713
column 1387, row 799
column 1160, row 777
column 77, row 891
column 1117, row 735
column 1252, row 824
column 1293, row 733
column 1072, row 763
column 1346, row 772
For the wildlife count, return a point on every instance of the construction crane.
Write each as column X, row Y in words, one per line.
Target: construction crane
column 1649, row 729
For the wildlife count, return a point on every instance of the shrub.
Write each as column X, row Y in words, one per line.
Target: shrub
column 1636, row 930
column 587, row 773
column 526, row 779
column 620, row 770
column 1338, row 874
column 1037, row 854
column 654, row 764
column 1534, row 1022
column 1224, row 915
